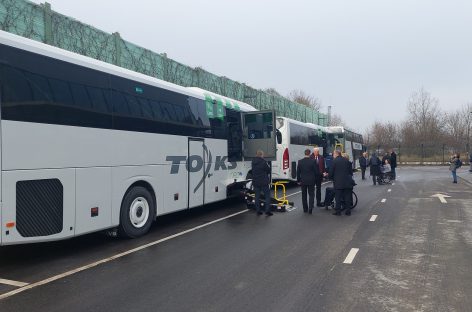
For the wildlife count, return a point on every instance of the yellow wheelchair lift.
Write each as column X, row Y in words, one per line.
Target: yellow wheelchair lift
column 278, row 203
column 282, row 201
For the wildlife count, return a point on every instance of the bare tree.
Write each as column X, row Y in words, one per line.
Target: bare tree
column 385, row 134
column 303, row 98
column 272, row 91
column 336, row 120
column 425, row 116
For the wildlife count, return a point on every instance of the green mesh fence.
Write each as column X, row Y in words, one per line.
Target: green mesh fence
column 40, row 23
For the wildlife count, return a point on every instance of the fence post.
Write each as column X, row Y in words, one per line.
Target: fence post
column 399, row 153
column 443, row 150
column 117, row 43
column 47, row 11
column 422, row 154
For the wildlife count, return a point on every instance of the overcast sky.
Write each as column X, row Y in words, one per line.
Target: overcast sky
column 363, row 57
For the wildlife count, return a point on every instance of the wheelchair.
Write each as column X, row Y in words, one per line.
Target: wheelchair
column 330, row 201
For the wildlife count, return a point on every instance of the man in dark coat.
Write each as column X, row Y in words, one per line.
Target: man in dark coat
column 393, row 164
column 364, row 163
column 307, row 175
column 261, row 181
column 341, row 174
column 374, row 167
column 319, row 179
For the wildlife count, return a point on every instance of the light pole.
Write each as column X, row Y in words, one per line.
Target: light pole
column 468, row 133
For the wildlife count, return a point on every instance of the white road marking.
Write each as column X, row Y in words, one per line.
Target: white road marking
column 373, row 218
column 383, row 200
column 291, row 209
column 351, row 255
column 120, row 255
column 294, row 193
column 454, row 221
column 442, row 197
column 12, row 283
column 389, row 190
column 393, row 183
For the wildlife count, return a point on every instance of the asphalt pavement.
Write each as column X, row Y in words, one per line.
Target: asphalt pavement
column 406, row 247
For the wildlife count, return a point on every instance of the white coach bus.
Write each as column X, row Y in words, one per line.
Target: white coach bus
column 347, row 141
column 88, row 146
column 293, row 138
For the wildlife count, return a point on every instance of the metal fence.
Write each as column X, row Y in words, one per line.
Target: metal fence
column 422, row 154
column 40, row 23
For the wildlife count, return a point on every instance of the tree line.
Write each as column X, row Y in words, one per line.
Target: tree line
column 427, row 129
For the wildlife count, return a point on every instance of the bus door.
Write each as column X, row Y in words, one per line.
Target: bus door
column 259, row 133
column 197, row 160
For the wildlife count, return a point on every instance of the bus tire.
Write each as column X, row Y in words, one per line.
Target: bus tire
column 137, row 212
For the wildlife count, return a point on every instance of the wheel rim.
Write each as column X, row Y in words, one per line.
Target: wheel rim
column 139, row 212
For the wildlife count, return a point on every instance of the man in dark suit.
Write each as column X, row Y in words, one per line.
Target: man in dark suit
column 341, row 174
column 261, row 181
column 393, row 163
column 320, row 162
column 364, row 163
column 307, row 173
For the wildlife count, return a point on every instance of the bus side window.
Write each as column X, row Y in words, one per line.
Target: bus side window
column 40, row 87
column 120, row 106
column 80, row 96
column 99, row 103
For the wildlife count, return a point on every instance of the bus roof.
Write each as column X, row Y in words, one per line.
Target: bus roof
column 37, row 47
column 243, row 106
column 301, row 123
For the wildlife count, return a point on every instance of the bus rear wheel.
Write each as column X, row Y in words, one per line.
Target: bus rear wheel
column 137, row 212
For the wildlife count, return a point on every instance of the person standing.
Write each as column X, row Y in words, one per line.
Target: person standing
column 374, row 167
column 320, row 162
column 341, row 174
column 261, row 181
column 307, row 175
column 364, row 163
column 455, row 164
column 470, row 161
column 393, row 164
column 386, row 156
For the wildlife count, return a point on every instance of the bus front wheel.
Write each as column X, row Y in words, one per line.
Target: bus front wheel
column 137, row 212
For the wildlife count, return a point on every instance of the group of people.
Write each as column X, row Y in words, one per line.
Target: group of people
column 310, row 173
column 388, row 164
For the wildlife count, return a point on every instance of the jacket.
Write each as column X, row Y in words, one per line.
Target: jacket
column 375, row 165
column 321, row 162
column 260, row 172
column 307, row 171
column 364, row 162
column 393, row 160
column 341, row 173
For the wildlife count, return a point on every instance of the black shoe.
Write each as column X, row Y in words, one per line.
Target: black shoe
column 268, row 213
column 348, row 212
column 320, row 204
column 305, row 211
column 310, row 211
column 259, row 213
column 336, row 213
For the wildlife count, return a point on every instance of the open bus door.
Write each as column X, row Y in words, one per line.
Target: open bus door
column 259, row 133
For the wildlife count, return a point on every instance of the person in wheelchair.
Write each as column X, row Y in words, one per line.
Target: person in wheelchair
column 385, row 176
